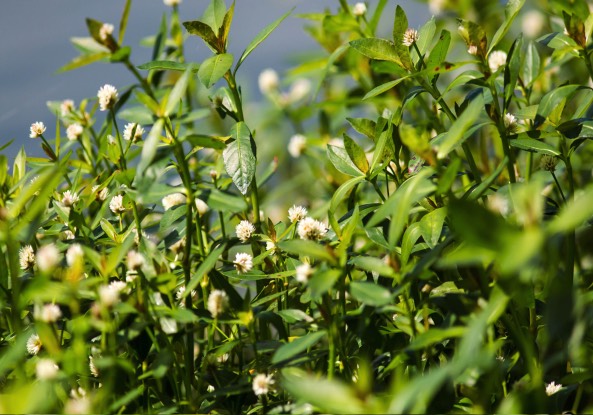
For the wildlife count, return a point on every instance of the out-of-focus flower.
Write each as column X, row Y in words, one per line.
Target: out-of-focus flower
column 268, row 81
column 92, row 367
column 178, row 246
column 117, row 205
column 244, row 230
column 105, row 31
column 78, row 405
column 174, row 199
column 74, row 131
column 69, row 198
column 217, row 302
column 135, row 260
column 297, row 145
column 472, row 50
column 48, row 257
column 201, row 207
column 109, row 294
column 243, row 262
column 66, row 107
column 179, row 295
column 100, row 195
column 436, row 7
column 312, row 229
column 299, row 89
column 74, row 254
column 296, row 213
column 34, row 344
column 533, row 23
column 410, row 36
column 262, row 384
column 510, row 122
column 49, row 313
column 26, row 257
column 359, row 9
column 303, row 273
column 107, row 96
column 37, row 129
column 548, row 163
column 496, row 60
column 552, row 388
column 46, row 369
column 133, row 131
column 172, row 2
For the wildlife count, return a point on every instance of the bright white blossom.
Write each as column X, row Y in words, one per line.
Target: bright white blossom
column 201, row 207
column 312, row 229
column 268, row 81
column 49, row 313
column 37, row 129
column 297, row 145
column 299, row 89
column 78, row 405
column 109, row 294
column 181, row 291
column 359, row 9
column 244, row 230
column 174, row 199
column 217, row 302
column 243, row 262
column 26, row 257
column 74, row 254
column 74, row 131
column 69, row 198
column 66, row 107
column 133, row 131
column 135, row 260
column 303, row 273
column 100, row 195
column 410, row 36
column 436, row 7
column 34, row 344
column 496, row 60
column 48, row 257
column 271, row 246
column 262, row 384
column 46, row 369
column 533, row 23
column 552, row 388
column 117, row 204
column 472, row 50
column 105, row 31
column 107, row 96
column 171, row 2
column 510, row 122
column 296, row 213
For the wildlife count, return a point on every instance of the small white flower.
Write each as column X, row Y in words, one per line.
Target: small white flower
column 496, row 60
column 201, row 207
column 244, row 230
column 472, row 50
column 26, row 257
column 69, row 198
column 111, row 140
column 271, row 246
column 171, row 2
column 133, row 131
column 34, row 344
column 74, row 254
column 410, row 37
column 312, row 229
column 299, row 89
column 178, row 246
column 107, row 96
column 436, row 7
column 74, row 131
column 510, row 122
column 303, row 273
column 243, row 262
column 66, row 107
column 552, row 388
column 109, row 294
column 105, row 31
column 297, row 145
column 117, row 205
column 78, row 405
column 359, row 9
column 268, row 81
column 46, row 369
column 93, row 367
column 296, row 213
column 37, row 129
column 135, row 260
column 174, row 199
column 218, row 301
column 100, row 195
column 68, row 235
column 49, row 313
column 533, row 23
column 262, row 384
column 181, row 291
column 48, row 257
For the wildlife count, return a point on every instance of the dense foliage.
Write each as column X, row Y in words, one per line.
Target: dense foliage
column 403, row 225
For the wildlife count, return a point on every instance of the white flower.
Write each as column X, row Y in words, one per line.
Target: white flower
column 173, row 199
column 359, row 9
column 37, row 129
column 297, row 145
column 74, row 254
column 201, row 207
column 299, row 89
column 178, row 246
column 100, row 195
column 533, row 23
column 34, row 344
column 552, row 388
column 244, row 230
column 135, row 260
column 109, row 294
column 93, row 367
column 105, row 31
column 111, row 140
column 497, row 59
column 78, row 405
column 107, row 96
column 171, row 2
column 66, row 107
column 262, row 384
column 133, row 131
column 48, row 257
column 296, row 213
column 46, row 369
column 74, row 131
column 472, row 50
column 303, row 273
column 271, row 246
column 69, row 198
column 26, row 257
column 436, row 6
column 510, row 122
column 49, row 313
column 218, row 301
column 312, row 229
column 268, row 81
column 181, row 291
column 116, row 205
column 410, row 36
column 243, row 262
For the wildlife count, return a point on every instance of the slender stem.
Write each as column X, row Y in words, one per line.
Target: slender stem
column 559, row 188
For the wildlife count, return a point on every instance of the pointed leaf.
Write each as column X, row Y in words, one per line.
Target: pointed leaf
column 214, row 14
column 375, row 48
column 456, row 133
column 290, row 350
column 341, row 161
column 204, row 31
column 356, row 154
column 214, row 68
column 239, row 160
column 510, row 12
column 178, row 92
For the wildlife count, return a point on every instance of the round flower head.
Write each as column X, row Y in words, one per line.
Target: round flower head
column 34, row 344
column 46, row 369
column 69, row 199
column 268, row 81
column 472, row 50
column 262, row 384
column 26, row 257
column 171, row 2
column 436, row 7
column 303, row 273
column 117, row 204
column 201, row 207
column 296, row 213
column 107, row 96
column 510, row 122
column 48, row 257
column 548, row 163
column 105, row 31
column 359, row 9
column 78, row 405
column 66, row 107
column 410, row 37
column 135, row 260
column 312, row 229
column 297, row 145
column 533, row 23
column 243, row 262
column 174, row 199
column 109, row 294
column 74, row 131
column 37, row 129
column 49, row 313
column 552, row 388
column 496, row 60
column 100, row 195
column 74, row 254
column 299, row 90
column 244, row 230
column 133, row 132
column 218, row 301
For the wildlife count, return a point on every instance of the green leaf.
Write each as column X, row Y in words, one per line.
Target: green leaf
column 363, row 126
column 372, row 264
column 434, row 336
column 205, row 267
column 123, row 23
column 425, row 35
column 214, row 68
column 383, row 149
column 239, row 158
column 575, row 213
column 512, row 69
column 411, row 236
column 370, row 293
column 223, row 31
column 289, row 350
column 206, row 141
column 109, row 230
column 149, row 147
column 552, row 100
column 341, row 161
column 261, row 36
column 178, row 92
column 83, row 60
column 226, row 202
column 356, row 154
column 306, row 248
column 170, row 217
column 322, row 282
column 343, row 190
column 510, row 12
column 460, row 126
column 375, row 48
column 531, row 64
column 431, row 226
column 205, row 32
column 167, row 66
column 214, row 14
column 438, row 54
column 400, row 25
column 378, row 90
column 293, row 315
column 533, row 145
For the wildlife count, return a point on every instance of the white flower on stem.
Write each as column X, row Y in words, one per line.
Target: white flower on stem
column 410, row 37
column 303, row 273
column 74, row 254
column 69, row 198
column 66, row 107
column 107, row 96
column 218, row 301
column 296, row 213
column 174, row 199
column 26, row 257
column 135, row 260
column 297, row 145
column 171, row 2
column 271, row 246
column 268, row 81
column 74, row 131
column 243, row 262
column 111, row 140
column 100, row 195
column 48, row 257
column 552, row 388
column 472, row 50
column 244, row 230
column 359, row 9
column 201, row 207
column 312, row 229
column 34, row 344
column 78, row 405
column 105, row 31
column 436, row 7
column 109, row 294
column 46, row 369
column 92, row 367
column 262, row 384
column 117, row 204
column 37, row 129
column 179, row 295
column 510, row 122
column 133, row 131
column 49, row 313
column 548, row 162
column 299, row 89
column 496, row 60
